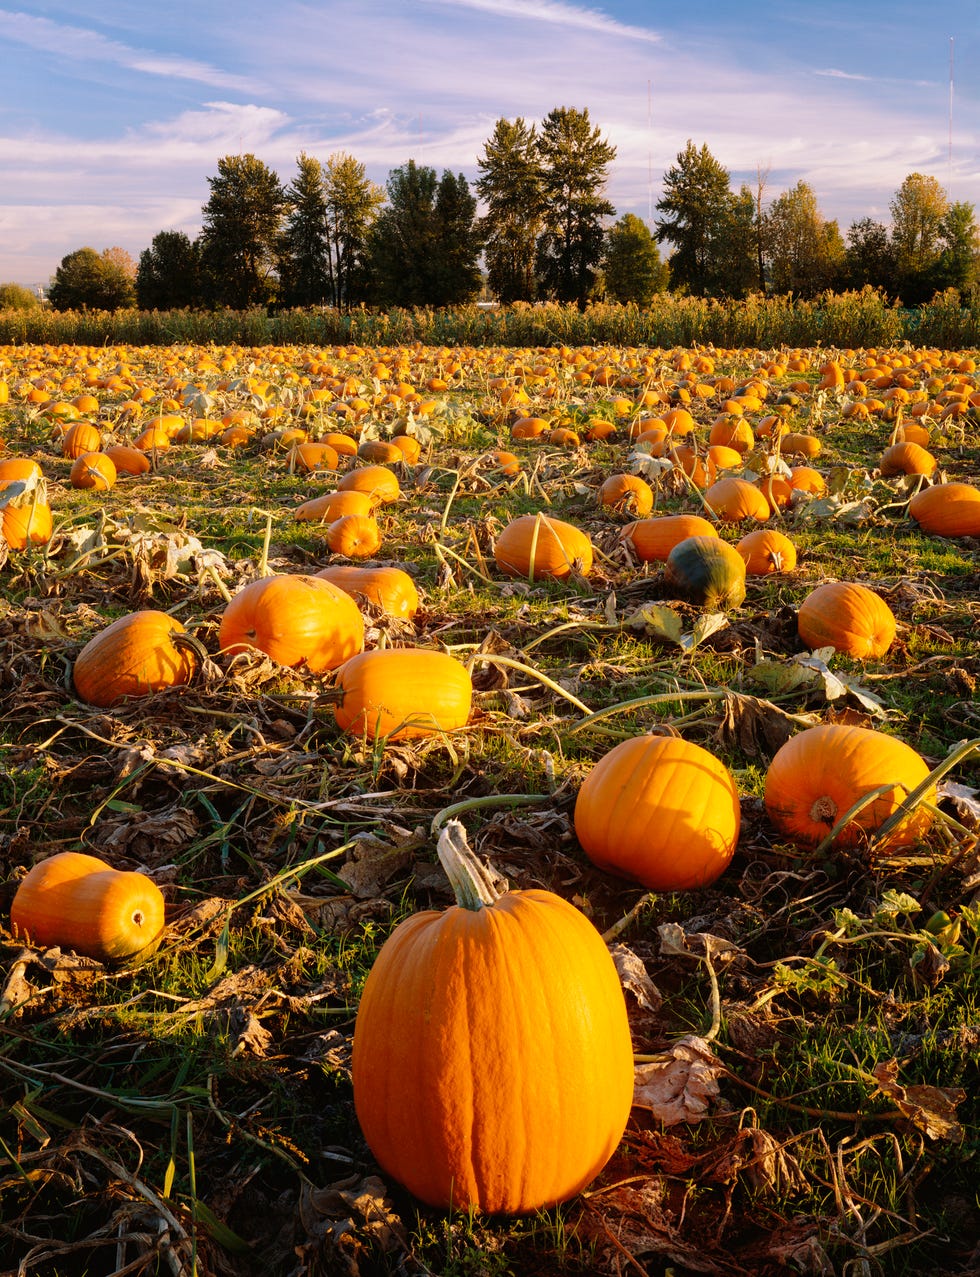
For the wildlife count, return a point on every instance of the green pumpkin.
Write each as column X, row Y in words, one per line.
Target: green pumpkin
column 708, row 572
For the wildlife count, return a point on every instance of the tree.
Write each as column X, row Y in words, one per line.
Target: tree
column 424, row 244
column 17, row 297
column 168, row 274
column 804, row 253
column 304, row 274
column 574, row 160
column 958, row 265
column 736, row 250
column 456, row 276
column 352, row 205
column 632, row 268
column 240, row 232
column 869, row 257
column 87, row 280
column 510, row 185
column 917, row 210
column 696, row 208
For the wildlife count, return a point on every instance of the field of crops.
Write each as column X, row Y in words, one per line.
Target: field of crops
column 694, row 559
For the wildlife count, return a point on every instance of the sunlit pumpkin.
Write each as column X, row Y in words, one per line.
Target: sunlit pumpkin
column 767, row 550
column 849, row 617
column 296, row 620
column 538, row 546
column 653, row 539
column 392, row 589
column 139, row 653
column 402, row 693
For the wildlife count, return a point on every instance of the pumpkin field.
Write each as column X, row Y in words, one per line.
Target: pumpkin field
column 660, row 662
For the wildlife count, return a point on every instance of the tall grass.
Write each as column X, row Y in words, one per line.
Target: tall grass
column 852, row 319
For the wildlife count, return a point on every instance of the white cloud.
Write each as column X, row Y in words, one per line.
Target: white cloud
column 555, row 12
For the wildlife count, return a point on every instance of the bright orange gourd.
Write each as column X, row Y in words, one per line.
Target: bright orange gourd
column 93, row 470
column 767, row 550
column 378, row 483
column 819, row 774
column 492, row 1065
column 333, row 505
column 535, row 545
column 947, row 510
column 79, row 902
column 355, row 535
column 402, row 692
column 137, row 654
column 659, row 810
column 848, row 617
column 627, row 494
column 653, row 539
column 734, row 499
column 392, row 589
column 296, row 620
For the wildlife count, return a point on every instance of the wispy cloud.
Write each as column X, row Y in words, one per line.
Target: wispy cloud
column 80, row 45
column 555, row 12
column 841, row 75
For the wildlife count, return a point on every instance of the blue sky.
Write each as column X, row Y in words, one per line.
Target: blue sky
column 113, row 116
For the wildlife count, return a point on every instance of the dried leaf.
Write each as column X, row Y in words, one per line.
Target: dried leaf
column 931, row 1109
column 756, row 727
column 634, row 977
column 659, row 621
column 681, row 1086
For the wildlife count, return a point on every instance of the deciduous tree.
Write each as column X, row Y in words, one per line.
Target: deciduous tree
column 632, row 269
column 167, row 276
column 804, row 252
column 240, row 232
column 87, row 280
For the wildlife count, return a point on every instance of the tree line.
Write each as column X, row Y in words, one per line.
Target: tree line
column 332, row 237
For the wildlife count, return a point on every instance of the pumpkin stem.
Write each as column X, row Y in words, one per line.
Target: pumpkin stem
column 471, row 882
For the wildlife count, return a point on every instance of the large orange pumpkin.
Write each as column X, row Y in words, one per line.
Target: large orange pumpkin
column 492, row 1066
column 333, row 505
column 535, row 545
column 947, row 510
column 137, row 654
column 819, row 774
column 626, row 493
column 356, row 535
column 79, row 902
column 377, row 482
column 296, row 620
column 848, row 617
column 734, row 499
column 660, row 810
column 767, row 550
column 402, row 692
column 392, row 589
column 653, row 539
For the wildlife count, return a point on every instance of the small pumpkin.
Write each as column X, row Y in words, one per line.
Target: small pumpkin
column 79, row 902
column 356, row 535
column 817, row 776
column 306, row 457
column 653, row 539
column 401, row 693
column 392, row 589
column 127, row 460
column 735, row 499
column 947, row 510
column 847, row 616
column 659, row 810
column 906, row 457
column 92, row 470
column 26, row 519
column 81, row 436
column 333, row 505
column 137, row 654
column 542, row 548
column 492, row 1064
column 767, row 550
column 296, row 620
column 378, row 483
column 706, row 571
column 626, row 493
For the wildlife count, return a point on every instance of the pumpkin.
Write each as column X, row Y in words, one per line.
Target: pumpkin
column 735, row 499
column 402, row 692
column 947, row 510
column 378, row 483
column 392, row 589
column 408, row 446
column 767, row 550
column 507, row 463
column 799, row 445
column 529, row 428
column 806, row 479
column 732, row 431
column 818, row 775
column 306, row 457
column 342, row 444
column 492, row 1063
column 540, row 547
column 846, row 616
column 79, row 902
column 152, row 439
column 296, row 620
column 17, row 469
column 380, row 451
column 128, row 460
column 92, row 470
column 137, row 654
column 26, row 521
column 661, row 811
column 80, row 437
column 707, row 572
column 776, row 489
column 906, row 458
column 355, row 535
column 626, row 493
column 333, row 505
column 653, row 539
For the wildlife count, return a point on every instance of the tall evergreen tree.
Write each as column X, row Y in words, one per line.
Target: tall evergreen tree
column 574, row 160
column 352, row 205
column 302, row 249
column 631, row 267
column 736, row 266
column 456, row 276
column 167, row 276
column 510, row 186
column 696, row 207
column 240, row 232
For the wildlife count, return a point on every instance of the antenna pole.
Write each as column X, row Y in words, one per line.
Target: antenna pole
column 649, row 152
column 949, row 180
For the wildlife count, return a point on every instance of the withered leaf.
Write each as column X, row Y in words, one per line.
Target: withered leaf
column 681, row 1086
column 634, row 978
column 931, row 1109
column 756, row 727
